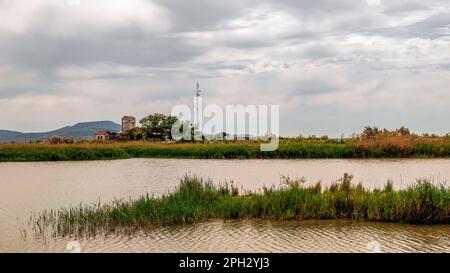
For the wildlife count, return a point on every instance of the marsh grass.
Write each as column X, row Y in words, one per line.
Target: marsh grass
column 197, row 199
column 387, row 147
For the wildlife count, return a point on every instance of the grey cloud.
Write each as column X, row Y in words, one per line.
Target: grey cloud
column 42, row 51
column 321, row 6
column 320, row 51
column 402, row 7
column 203, row 14
column 431, row 28
column 254, row 55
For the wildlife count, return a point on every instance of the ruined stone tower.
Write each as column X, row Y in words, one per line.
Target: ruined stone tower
column 128, row 123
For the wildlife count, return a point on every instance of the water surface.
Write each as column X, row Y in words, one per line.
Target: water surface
column 32, row 187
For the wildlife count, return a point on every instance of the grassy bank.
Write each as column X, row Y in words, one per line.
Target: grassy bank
column 288, row 148
column 196, row 200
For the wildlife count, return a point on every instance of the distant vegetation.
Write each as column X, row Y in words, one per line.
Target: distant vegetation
column 374, row 142
column 153, row 127
column 197, row 199
column 371, row 143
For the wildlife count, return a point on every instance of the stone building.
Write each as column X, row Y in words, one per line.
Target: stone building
column 128, row 123
column 103, row 135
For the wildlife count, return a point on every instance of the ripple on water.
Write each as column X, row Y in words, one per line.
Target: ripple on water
column 268, row 236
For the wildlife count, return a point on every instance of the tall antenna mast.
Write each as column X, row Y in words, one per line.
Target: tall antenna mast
column 197, row 97
column 199, row 92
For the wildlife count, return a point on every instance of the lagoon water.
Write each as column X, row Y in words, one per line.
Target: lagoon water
column 32, row 187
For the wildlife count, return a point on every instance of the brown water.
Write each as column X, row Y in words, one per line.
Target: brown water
column 32, row 187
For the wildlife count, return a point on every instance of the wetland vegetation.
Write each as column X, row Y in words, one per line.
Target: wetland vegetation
column 197, row 199
column 372, row 143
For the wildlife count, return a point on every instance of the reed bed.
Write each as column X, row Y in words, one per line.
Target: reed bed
column 391, row 147
column 197, row 199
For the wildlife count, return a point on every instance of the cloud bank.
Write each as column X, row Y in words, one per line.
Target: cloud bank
column 333, row 66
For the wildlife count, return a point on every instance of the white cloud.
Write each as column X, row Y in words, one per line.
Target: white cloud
column 62, row 18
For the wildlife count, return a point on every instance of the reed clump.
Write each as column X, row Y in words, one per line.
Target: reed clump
column 198, row 199
column 375, row 143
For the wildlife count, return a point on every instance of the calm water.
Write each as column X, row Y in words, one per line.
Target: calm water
column 32, row 187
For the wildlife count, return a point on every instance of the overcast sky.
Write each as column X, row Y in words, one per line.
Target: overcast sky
column 333, row 66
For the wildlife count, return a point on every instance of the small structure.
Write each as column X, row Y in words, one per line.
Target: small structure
column 128, row 123
column 155, row 137
column 118, row 136
column 104, row 135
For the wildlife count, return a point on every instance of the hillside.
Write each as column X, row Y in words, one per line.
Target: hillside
column 80, row 130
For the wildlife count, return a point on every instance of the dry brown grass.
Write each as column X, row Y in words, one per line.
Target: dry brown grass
column 401, row 142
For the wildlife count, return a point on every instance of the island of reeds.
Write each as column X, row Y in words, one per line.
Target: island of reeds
column 372, row 143
column 197, row 199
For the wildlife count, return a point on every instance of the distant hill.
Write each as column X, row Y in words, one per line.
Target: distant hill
column 82, row 130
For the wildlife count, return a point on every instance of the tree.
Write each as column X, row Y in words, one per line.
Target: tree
column 158, row 125
column 185, row 131
column 168, row 122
